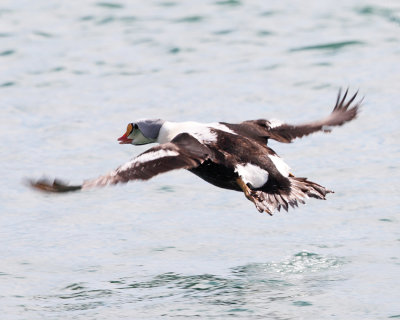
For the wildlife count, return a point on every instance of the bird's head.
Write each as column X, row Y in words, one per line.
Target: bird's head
column 142, row 132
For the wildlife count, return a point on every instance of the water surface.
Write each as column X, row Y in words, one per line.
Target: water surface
column 73, row 74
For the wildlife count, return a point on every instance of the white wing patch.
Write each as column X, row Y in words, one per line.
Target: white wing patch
column 221, row 127
column 204, row 134
column 149, row 156
column 273, row 123
column 252, row 174
column 281, row 165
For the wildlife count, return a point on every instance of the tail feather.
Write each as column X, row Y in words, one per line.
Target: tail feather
column 300, row 189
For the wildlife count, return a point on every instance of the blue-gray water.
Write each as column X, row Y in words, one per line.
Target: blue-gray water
column 74, row 73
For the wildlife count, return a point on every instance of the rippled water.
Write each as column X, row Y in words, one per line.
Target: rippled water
column 74, row 73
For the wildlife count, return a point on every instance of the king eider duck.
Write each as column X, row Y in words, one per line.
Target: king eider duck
column 229, row 156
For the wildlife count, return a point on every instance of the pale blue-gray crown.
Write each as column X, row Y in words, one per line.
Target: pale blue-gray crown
column 150, row 128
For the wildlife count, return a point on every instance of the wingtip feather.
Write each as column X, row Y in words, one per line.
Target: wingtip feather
column 55, row 186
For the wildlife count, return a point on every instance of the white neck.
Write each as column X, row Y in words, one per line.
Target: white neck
column 200, row 131
column 170, row 130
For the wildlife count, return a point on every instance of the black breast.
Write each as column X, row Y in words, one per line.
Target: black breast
column 217, row 174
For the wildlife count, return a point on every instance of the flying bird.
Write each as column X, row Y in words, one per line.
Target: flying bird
column 227, row 155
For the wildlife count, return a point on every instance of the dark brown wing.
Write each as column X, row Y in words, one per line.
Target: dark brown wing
column 340, row 115
column 183, row 152
column 262, row 130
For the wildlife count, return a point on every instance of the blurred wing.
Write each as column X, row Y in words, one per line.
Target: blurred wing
column 183, row 152
column 262, row 130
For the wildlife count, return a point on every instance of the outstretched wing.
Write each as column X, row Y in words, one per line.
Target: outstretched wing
column 262, row 130
column 340, row 115
column 183, row 152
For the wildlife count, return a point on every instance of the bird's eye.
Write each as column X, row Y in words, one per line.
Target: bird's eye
column 135, row 126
